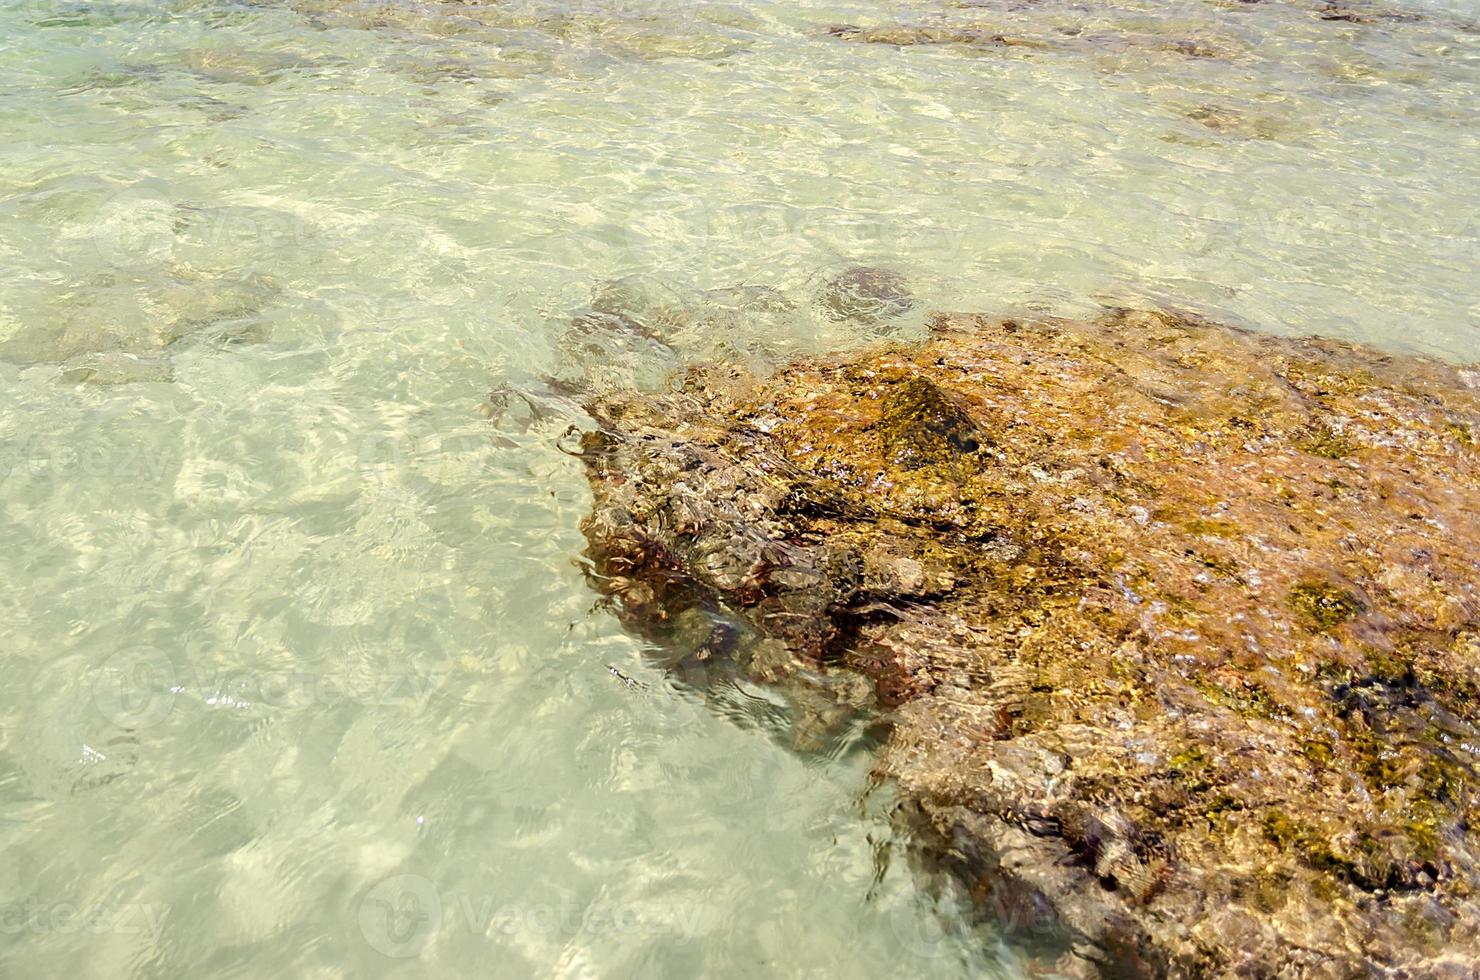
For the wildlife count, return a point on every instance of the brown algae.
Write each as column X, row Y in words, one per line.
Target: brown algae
column 1161, row 665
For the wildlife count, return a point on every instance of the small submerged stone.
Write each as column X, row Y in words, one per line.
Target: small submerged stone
column 1240, row 123
column 1162, row 667
column 906, row 36
column 1370, row 13
column 866, row 294
column 537, row 39
column 117, row 368
column 117, row 327
column 902, row 36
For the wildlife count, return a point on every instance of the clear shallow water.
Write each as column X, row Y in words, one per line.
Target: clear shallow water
column 301, row 677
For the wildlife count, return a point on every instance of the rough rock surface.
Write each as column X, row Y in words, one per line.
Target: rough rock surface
column 1176, row 627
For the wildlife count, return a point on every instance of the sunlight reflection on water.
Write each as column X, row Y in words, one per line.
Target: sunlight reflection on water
column 303, row 676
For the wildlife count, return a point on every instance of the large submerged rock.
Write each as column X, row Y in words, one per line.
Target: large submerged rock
column 1175, row 626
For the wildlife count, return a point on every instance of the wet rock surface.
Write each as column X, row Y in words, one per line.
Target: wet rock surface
column 1175, row 627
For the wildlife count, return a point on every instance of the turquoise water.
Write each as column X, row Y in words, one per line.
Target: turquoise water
column 301, row 674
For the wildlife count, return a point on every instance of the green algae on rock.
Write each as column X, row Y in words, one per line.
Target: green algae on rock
column 1162, row 671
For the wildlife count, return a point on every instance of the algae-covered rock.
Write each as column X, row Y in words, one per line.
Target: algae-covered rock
column 1176, row 627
